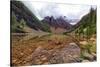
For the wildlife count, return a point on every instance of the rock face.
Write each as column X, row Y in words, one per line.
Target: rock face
column 68, row 54
column 58, row 22
column 21, row 12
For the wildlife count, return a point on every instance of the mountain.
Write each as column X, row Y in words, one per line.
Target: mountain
column 87, row 22
column 59, row 22
column 23, row 20
column 22, row 17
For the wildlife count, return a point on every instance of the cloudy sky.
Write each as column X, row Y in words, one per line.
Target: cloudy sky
column 43, row 9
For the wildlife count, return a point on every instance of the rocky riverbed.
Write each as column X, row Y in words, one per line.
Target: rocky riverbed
column 51, row 49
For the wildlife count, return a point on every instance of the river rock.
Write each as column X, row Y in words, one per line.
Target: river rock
column 68, row 54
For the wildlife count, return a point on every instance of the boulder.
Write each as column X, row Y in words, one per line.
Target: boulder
column 68, row 54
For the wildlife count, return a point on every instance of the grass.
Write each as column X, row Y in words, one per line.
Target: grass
column 88, row 48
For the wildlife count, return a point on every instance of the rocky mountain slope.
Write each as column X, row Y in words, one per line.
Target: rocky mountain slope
column 57, row 23
column 21, row 16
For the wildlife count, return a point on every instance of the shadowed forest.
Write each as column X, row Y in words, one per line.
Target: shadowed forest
column 51, row 40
